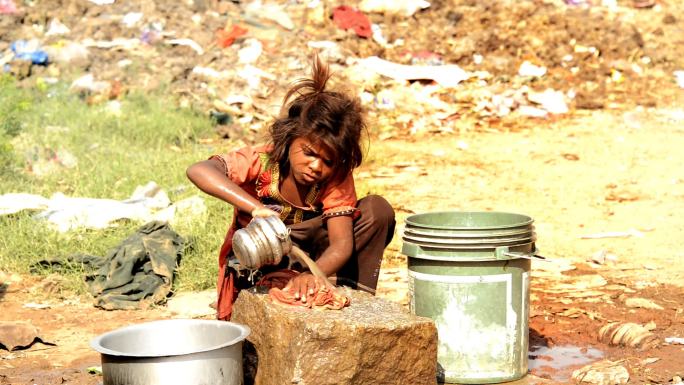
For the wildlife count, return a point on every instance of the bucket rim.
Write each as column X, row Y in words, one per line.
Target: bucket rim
column 468, row 241
column 470, row 233
column 411, row 220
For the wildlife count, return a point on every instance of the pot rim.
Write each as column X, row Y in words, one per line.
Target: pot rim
column 96, row 343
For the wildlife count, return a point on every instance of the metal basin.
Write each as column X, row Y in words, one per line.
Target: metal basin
column 179, row 351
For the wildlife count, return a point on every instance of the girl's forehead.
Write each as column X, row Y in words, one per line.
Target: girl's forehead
column 316, row 145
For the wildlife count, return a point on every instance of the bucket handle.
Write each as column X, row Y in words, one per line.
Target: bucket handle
column 503, row 253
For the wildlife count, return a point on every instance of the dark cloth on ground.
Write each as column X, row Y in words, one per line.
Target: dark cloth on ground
column 135, row 274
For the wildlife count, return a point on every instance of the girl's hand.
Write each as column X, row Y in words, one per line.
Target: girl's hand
column 304, row 286
column 263, row 212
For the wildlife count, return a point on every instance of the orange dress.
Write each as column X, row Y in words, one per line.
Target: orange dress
column 251, row 169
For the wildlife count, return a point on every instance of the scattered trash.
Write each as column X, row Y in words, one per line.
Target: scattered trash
column 329, row 50
column 39, row 306
column 250, row 51
column 679, row 76
column 602, row 373
column 7, row 7
column 603, row 257
column 642, row 303
column 270, row 11
column 628, row 334
column 404, row 8
column 226, row 37
column 650, row 360
column 550, row 100
column 67, row 213
column 131, row 19
column 532, row 70
column 446, row 75
column 67, row 52
column 347, row 18
column 12, row 203
column 30, row 50
column 57, row 28
column 379, row 38
column 187, row 42
column 674, row 340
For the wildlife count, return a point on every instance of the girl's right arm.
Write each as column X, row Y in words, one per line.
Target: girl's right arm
column 209, row 176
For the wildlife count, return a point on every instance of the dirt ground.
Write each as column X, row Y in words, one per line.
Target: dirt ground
column 611, row 174
column 603, row 183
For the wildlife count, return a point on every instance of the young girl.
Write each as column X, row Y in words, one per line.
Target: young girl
column 304, row 176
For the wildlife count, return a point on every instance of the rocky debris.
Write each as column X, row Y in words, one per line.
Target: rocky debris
column 360, row 344
column 602, row 373
column 18, row 335
column 642, row 303
column 628, row 334
column 234, row 59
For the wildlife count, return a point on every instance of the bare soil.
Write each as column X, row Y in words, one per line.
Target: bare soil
column 603, row 183
column 597, row 174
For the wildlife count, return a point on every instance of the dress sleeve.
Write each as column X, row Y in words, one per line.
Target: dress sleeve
column 340, row 199
column 241, row 165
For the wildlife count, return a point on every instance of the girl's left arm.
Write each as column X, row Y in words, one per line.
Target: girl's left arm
column 340, row 234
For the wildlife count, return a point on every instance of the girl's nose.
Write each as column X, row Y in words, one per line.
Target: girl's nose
column 315, row 165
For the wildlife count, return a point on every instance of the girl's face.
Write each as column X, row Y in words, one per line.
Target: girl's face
column 309, row 163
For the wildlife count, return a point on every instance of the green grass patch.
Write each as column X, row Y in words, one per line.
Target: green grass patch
column 51, row 141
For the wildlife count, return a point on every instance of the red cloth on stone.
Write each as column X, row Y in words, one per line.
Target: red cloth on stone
column 325, row 298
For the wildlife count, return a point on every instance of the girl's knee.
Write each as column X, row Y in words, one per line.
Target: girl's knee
column 377, row 208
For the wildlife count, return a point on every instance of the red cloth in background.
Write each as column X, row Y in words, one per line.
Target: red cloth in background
column 349, row 18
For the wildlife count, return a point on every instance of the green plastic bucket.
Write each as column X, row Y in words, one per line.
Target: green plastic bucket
column 469, row 272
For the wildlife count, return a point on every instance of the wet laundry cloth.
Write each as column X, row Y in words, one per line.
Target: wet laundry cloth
column 135, row 274
column 324, row 298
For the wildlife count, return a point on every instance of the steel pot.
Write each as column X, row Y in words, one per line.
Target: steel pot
column 263, row 241
column 178, row 351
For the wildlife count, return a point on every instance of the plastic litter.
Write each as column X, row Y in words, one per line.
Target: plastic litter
column 269, row 11
column 29, row 50
column 446, row 75
column 675, row 340
column 550, row 100
column 250, row 51
column 57, row 28
column 349, row 18
column 188, row 43
column 679, row 77
column 226, row 37
column 533, row 70
column 7, row 7
column 131, row 19
column 393, row 7
column 67, row 52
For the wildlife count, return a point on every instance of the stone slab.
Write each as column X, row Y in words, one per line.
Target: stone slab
column 373, row 341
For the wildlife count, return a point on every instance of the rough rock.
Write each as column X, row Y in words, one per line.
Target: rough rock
column 373, row 341
column 601, row 373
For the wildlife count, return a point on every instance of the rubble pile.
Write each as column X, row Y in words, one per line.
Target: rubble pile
column 419, row 66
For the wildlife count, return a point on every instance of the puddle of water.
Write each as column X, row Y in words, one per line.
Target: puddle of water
column 558, row 362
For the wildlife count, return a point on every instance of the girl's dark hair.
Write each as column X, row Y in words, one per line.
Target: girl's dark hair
column 331, row 119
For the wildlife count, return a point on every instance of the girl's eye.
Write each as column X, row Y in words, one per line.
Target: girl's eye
column 328, row 162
